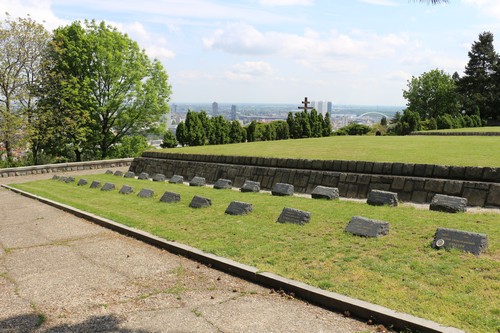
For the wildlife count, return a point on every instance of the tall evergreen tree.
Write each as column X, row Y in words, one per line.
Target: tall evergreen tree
column 327, row 125
column 181, row 134
column 194, row 129
column 478, row 87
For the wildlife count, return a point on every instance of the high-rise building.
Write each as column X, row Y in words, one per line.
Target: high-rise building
column 233, row 113
column 329, row 107
column 215, row 109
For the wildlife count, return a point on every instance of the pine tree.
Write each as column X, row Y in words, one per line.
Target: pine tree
column 180, row 134
column 327, row 125
column 194, row 129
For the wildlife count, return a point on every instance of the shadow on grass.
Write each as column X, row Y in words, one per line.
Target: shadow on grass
column 34, row 323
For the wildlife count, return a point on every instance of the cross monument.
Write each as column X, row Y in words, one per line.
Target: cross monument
column 306, row 103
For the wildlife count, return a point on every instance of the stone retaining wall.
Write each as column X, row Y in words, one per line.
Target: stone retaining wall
column 62, row 167
column 413, row 182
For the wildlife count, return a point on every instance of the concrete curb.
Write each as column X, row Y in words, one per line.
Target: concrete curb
column 326, row 299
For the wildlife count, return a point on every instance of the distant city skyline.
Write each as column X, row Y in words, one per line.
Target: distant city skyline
column 359, row 52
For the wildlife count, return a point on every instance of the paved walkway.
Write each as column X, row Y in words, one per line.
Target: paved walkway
column 59, row 273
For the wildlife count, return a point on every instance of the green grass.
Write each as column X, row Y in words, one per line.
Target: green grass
column 488, row 129
column 400, row 271
column 444, row 150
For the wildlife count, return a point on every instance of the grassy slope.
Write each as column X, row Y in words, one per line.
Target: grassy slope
column 399, row 271
column 495, row 129
column 459, row 151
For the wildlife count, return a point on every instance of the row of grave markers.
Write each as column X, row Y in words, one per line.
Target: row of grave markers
column 475, row 243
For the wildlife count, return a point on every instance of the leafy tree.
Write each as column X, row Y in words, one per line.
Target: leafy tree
column 22, row 42
column 195, row 133
column 305, row 124
column 251, row 129
column 432, row 94
column 282, row 130
column 220, row 131
column 206, row 124
column 169, row 140
column 130, row 146
column 353, row 129
column 327, row 125
column 103, row 76
column 406, row 123
column 236, row 134
column 181, row 134
column 383, row 121
column 315, row 124
column 480, row 86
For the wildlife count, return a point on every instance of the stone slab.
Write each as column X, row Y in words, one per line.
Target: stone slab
column 69, row 179
column 143, row 176
column 170, row 197
column 129, row 174
column 108, row 172
column 145, row 193
column 222, row 184
column 159, row 177
column 250, row 186
column 108, row 187
column 118, row 173
column 325, row 192
column 82, row 182
column 466, row 241
column 95, row 184
column 176, row 179
column 295, row 216
column 366, row 227
column 448, row 204
column 282, row 189
column 55, row 177
column 126, row 189
column 197, row 181
column 382, row 198
column 239, row 208
column 200, row 202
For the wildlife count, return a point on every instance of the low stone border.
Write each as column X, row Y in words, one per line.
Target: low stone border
column 323, row 298
column 61, row 167
column 457, row 133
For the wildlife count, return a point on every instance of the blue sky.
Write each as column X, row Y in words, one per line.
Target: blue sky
column 278, row 51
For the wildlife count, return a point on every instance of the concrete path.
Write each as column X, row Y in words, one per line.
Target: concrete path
column 59, row 273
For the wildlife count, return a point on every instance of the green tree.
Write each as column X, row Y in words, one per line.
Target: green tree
column 282, row 130
column 181, row 134
column 130, row 146
column 251, row 129
column 406, row 123
column 103, row 74
column 22, row 43
column 432, row 94
column 236, row 134
column 315, row 124
column 169, row 140
column 195, row 133
column 327, row 125
column 480, row 86
column 220, row 131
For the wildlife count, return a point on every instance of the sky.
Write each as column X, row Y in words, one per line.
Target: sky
column 360, row 52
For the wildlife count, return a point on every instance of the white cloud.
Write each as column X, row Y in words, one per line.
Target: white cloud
column 38, row 10
column 488, row 7
column 381, row 2
column 286, row 2
column 249, row 70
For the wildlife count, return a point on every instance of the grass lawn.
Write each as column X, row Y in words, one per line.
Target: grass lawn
column 493, row 129
column 400, row 271
column 444, row 150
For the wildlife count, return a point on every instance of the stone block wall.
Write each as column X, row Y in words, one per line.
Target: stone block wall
column 413, row 182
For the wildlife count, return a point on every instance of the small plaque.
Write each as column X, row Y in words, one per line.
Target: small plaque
column 108, row 172
column 82, row 182
column 176, row 179
column 129, row 174
column 323, row 192
column 108, row 187
column 295, row 216
column 239, row 208
column 462, row 240
column 223, row 184
column 145, row 193
column 363, row 226
column 118, row 173
column 382, row 198
column 159, row 177
column 143, row 176
column 197, row 181
column 169, row 197
column 126, row 189
column 69, row 180
column 62, row 179
column 282, row 189
column 250, row 186
column 200, row 202
column 95, row 184
column 55, row 177
column 448, row 204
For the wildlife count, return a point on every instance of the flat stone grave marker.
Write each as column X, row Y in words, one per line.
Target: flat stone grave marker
column 250, row 186
column 145, row 193
column 169, row 197
column 366, row 227
column 95, row 184
column 382, row 198
column 324, row 192
column 118, row 173
column 282, row 189
column 129, row 174
column 176, row 179
column 108, row 187
column 62, row 179
column 466, row 241
column 126, row 189
column 239, row 208
column 108, row 172
column 295, row 216
column 197, row 181
column 223, row 184
column 82, row 182
column 159, row 177
column 448, row 204
column 70, row 179
column 143, row 176
column 200, row 202
column 55, row 177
